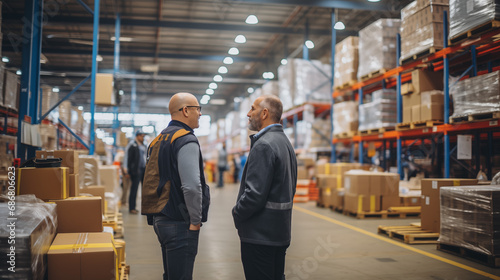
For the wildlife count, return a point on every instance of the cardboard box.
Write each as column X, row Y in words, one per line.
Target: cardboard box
column 358, row 183
column 410, row 200
column 69, row 158
column 325, row 197
column 337, row 199
column 82, row 256
column 433, row 111
column 406, row 114
column 79, row 214
column 385, row 184
column 326, row 181
column 424, row 80
column 415, row 113
column 104, row 92
column 430, row 215
column 406, row 88
column 306, row 162
column 355, row 203
column 74, row 188
column 120, row 249
column 109, row 177
column 389, row 201
column 44, row 183
column 302, row 173
column 96, row 191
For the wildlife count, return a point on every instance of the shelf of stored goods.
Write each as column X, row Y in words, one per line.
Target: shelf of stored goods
column 8, row 121
column 481, row 50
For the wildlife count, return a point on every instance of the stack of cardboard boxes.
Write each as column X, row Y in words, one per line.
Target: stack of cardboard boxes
column 423, row 99
column 370, row 191
column 7, row 148
column 346, row 61
column 345, row 117
column 422, row 26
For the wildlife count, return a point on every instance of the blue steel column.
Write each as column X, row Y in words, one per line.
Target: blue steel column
column 116, row 69
column 446, row 90
column 399, row 107
column 30, row 79
column 95, row 48
column 305, row 50
column 360, row 96
column 133, row 101
column 333, row 158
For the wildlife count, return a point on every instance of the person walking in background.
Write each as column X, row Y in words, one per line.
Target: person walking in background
column 136, row 164
column 126, row 181
column 222, row 165
column 236, row 164
column 243, row 160
column 263, row 211
column 175, row 197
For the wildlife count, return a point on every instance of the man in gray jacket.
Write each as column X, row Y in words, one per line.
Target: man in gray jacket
column 263, row 211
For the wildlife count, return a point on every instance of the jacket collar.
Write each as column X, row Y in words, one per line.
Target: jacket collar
column 272, row 127
column 179, row 124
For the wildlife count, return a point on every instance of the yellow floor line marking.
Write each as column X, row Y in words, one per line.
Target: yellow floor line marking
column 402, row 245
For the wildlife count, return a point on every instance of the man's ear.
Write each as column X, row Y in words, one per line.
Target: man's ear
column 265, row 112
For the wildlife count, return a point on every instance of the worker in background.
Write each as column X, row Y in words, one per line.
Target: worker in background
column 126, row 181
column 236, row 164
column 263, row 211
column 174, row 195
column 222, row 165
column 136, row 164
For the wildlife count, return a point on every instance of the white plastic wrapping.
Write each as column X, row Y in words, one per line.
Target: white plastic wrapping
column 468, row 14
column 422, row 27
column 346, row 61
column 49, row 98
column 65, row 112
column 286, row 82
column 89, row 171
column 35, row 228
column 479, row 94
column 271, row 88
column 11, row 90
column 470, row 218
column 311, row 84
column 377, row 46
column 381, row 112
column 345, row 117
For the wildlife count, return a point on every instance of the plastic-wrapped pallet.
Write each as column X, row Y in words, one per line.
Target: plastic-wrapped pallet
column 311, row 84
column 271, row 88
column 381, row 112
column 65, row 112
column 286, row 82
column 479, row 94
column 318, row 134
column 470, row 218
column 49, row 98
column 89, row 171
column 35, row 228
column 11, row 90
column 468, row 14
column 377, row 46
column 213, row 132
column 422, row 27
column 345, row 117
column 346, row 61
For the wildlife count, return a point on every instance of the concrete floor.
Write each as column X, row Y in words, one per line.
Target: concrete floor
column 325, row 245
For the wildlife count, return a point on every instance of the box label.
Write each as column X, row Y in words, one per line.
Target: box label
column 427, row 200
column 434, row 185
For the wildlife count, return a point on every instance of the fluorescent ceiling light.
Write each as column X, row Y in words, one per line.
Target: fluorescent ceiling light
column 309, row 44
column 55, row 89
column 250, row 90
column 240, row 39
column 252, row 19
column 5, row 59
column 98, row 58
column 228, row 60
column 80, row 108
column 212, row 85
column 122, row 39
column 284, row 61
column 203, row 102
column 222, row 70
column 209, row 91
column 233, row 51
column 268, row 75
column 218, row 101
column 150, row 67
column 43, row 59
column 218, row 78
column 339, row 25
column 373, row 0
column 120, row 92
column 18, row 72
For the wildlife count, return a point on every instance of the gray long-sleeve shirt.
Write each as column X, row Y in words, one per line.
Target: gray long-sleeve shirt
column 188, row 164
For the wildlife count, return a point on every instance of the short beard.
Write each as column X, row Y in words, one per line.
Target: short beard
column 254, row 124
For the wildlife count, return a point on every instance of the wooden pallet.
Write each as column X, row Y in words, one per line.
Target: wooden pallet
column 344, row 135
column 489, row 260
column 475, row 117
column 346, row 85
column 420, row 55
column 373, row 74
column 409, row 234
column 384, row 214
column 115, row 221
column 474, row 32
column 375, row 131
column 417, row 125
column 124, row 271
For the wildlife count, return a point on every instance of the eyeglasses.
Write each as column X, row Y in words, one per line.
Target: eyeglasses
column 198, row 108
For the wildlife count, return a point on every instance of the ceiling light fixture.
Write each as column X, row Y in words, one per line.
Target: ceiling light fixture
column 228, row 60
column 240, row 39
column 250, row 90
column 122, row 39
column 268, row 75
column 252, row 19
column 18, row 72
column 212, row 85
column 233, row 51
column 218, row 78
column 339, row 25
column 80, row 108
column 55, row 89
column 209, row 91
column 284, row 61
column 309, row 44
column 222, row 70
column 98, row 58
column 5, row 59
column 373, row 0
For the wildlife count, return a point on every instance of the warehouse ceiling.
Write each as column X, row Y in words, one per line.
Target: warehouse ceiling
column 183, row 43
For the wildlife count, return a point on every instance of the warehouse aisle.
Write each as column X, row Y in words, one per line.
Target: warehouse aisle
column 325, row 245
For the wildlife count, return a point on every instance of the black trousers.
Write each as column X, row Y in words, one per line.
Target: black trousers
column 136, row 180
column 261, row 262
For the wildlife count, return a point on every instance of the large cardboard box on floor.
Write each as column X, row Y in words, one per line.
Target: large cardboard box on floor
column 82, row 256
column 384, row 187
column 44, row 183
column 79, row 214
column 357, row 203
column 430, row 215
column 336, row 200
column 337, row 169
column 326, row 184
column 74, row 187
column 99, row 191
column 69, row 158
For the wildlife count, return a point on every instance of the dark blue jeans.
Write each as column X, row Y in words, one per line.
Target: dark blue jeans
column 179, row 247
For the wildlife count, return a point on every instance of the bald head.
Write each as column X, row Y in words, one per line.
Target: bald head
column 180, row 100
